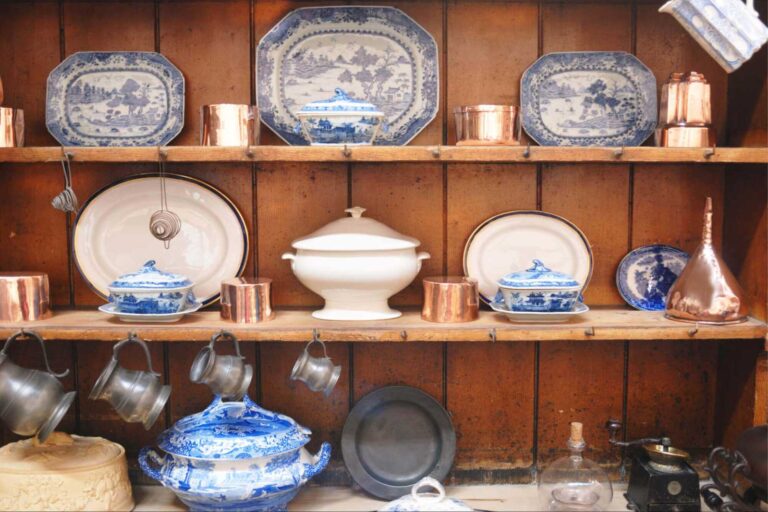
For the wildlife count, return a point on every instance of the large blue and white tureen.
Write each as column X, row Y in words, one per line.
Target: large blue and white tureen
column 234, row 456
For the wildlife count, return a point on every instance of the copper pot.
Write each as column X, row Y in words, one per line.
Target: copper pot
column 450, row 299
column 247, row 300
column 228, row 124
column 11, row 127
column 685, row 112
column 486, row 125
column 24, row 296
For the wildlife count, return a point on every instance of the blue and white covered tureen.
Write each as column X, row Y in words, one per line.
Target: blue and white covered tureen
column 340, row 120
column 150, row 291
column 234, row 456
column 538, row 289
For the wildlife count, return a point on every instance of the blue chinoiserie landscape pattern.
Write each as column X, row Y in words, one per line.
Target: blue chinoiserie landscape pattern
column 646, row 274
column 115, row 99
column 589, row 99
column 376, row 54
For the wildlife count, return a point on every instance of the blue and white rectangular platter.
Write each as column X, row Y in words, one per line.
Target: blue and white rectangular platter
column 115, row 99
column 376, row 54
column 589, row 99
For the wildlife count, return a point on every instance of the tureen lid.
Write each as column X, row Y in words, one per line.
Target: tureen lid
column 233, row 430
column 538, row 276
column 340, row 102
column 420, row 501
column 355, row 233
column 150, row 276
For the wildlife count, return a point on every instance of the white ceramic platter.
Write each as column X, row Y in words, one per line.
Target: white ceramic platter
column 111, row 234
column 510, row 241
column 376, row 54
column 540, row 316
column 115, row 99
column 110, row 309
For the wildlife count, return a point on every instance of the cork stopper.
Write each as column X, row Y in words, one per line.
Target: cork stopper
column 577, row 432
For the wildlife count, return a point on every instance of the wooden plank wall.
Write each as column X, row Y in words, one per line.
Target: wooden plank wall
column 510, row 403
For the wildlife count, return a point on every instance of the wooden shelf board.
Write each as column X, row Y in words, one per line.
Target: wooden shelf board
column 444, row 154
column 299, row 325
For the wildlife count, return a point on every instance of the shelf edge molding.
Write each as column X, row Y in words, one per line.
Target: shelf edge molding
column 443, row 154
column 616, row 324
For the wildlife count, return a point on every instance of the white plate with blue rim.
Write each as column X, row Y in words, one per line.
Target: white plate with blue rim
column 111, row 309
column 539, row 316
column 646, row 274
column 115, row 99
column 508, row 242
column 376, row 54
column 111, row 234
column 588, row 99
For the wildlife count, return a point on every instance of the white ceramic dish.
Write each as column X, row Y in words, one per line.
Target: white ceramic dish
column 376, row 54
column 540, row 316
column 356, row 264
column 509, row 242
column 111, row 309
column 111, row 234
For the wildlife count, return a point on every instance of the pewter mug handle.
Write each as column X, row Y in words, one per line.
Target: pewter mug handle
column 33, row 334
column 133, row 338
column 316, row 340
column 225, row 334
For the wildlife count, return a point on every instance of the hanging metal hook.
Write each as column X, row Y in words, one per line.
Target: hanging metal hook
column 66, row 200
column 618, row 153
column 527, row 151
column 436, row 151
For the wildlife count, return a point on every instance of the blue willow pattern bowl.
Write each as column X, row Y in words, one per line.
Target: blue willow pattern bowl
column 340, row 120
column 234, row 456
column 538, row 289
column 151, row 292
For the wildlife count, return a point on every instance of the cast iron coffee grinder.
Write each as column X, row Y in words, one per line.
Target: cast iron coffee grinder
column 660, row 478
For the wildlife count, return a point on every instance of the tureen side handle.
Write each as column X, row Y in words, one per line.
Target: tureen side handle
column 149, row 457
column 289, row 256
column 319, row 461
column 421, row 256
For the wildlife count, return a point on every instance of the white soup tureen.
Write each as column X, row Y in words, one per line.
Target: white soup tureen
column 356, row 264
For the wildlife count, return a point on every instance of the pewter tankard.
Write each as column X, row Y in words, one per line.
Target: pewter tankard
column 227, row 376
column 318, row 373
column 137, row 396
column 32, row 402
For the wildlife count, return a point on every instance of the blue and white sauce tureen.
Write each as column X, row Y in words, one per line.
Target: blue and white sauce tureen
column 234, row 456
column 340, row 120
column 538, row 289
column 151, row 292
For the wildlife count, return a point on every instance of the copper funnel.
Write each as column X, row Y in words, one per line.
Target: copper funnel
column 706, row 291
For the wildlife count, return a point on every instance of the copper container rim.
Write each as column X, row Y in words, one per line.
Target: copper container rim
column 485, row 108
column 229, row 105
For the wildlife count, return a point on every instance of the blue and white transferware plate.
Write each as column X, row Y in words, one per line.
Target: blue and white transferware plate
column 646, row 274
column 589, row 99
column 115, row 99
column 539, row 316
column 376, row 54
column 111, row 309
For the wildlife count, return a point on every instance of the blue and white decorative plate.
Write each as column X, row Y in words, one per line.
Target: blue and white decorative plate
column 646, row 274
column 111, row 309
column 376, row 54
column 115, row 99
column 539, row 316
column 588, row 99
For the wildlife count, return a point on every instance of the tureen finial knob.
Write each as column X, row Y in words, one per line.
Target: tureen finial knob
column 149, row 265
column 356, row 211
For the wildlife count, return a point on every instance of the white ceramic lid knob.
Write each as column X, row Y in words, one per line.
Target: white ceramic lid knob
column 356, row 211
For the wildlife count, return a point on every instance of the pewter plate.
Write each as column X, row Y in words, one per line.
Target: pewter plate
column 646, row 274
column 115, row 99
column 394, row 437
column 376, row 54
column 588, row 99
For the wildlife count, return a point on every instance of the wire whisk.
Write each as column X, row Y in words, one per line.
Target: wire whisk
column 66, row 200
column 164, row 224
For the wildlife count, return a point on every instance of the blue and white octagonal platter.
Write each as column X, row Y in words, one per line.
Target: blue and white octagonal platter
column 588, row 99
column 646, row 274
column 115, row 99
column 375, row 54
